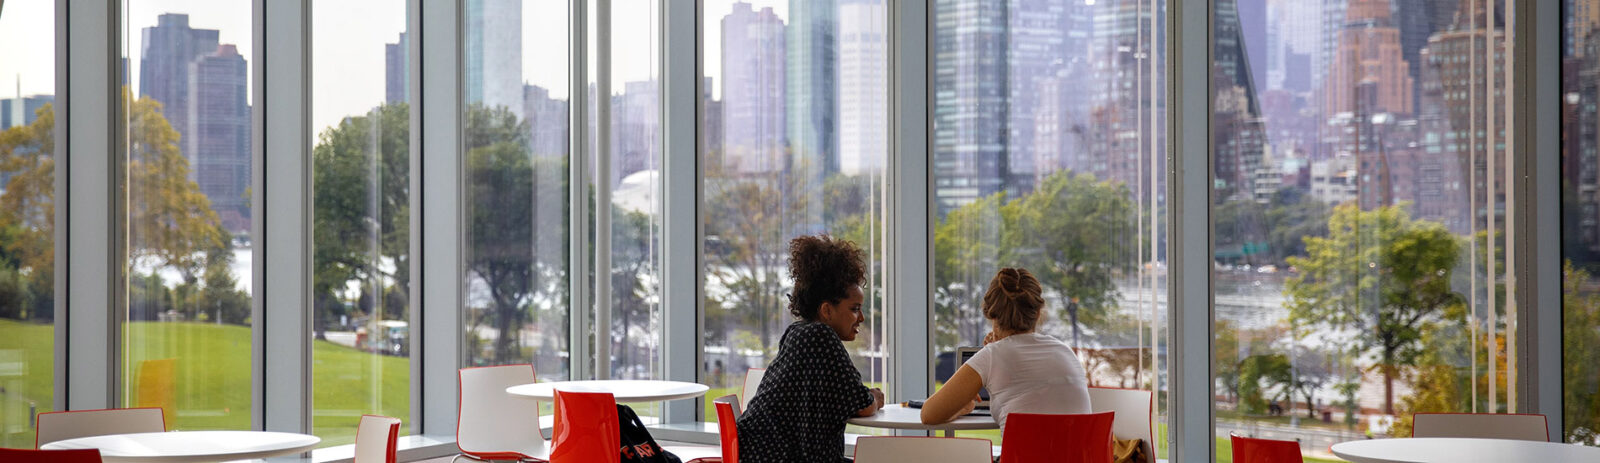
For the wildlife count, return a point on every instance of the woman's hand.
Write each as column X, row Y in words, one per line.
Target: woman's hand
column 877, row 403
column 970, row 406
column 991, row 337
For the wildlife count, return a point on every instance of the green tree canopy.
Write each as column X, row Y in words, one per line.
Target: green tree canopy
column 1377, row 272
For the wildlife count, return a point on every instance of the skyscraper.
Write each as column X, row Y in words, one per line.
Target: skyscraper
column 395, row 70
column 167, row 49
column 863, row 91
column 1460, row 86
column 1237, row 125
column 1368, row 53
column 812, row 84
column 494, row 54
column 219, row 127
column 21, row 110
column 547, row 122
column 753, row 91
column 970, row 104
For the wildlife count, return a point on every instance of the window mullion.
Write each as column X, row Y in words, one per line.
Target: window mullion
column 681, row 182
column 440, row 218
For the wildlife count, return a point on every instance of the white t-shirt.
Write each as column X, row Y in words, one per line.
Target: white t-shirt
column 1031, row 373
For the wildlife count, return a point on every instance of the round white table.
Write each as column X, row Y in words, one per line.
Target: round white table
column 896, row 416
column 190, row 446
column 625, row 390
column 1423, row 450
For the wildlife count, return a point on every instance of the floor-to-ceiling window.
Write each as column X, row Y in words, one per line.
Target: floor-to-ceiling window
column 27, row 217
column 1580, row 219
column 185, row 153
column 360, row 172
column 794, row 141
column 1363, row 200
column 516, row 160
column 1048, row 153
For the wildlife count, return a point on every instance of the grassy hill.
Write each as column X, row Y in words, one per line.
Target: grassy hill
column 211, row 382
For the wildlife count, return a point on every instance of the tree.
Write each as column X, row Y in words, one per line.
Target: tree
column 1380, row 273
column 748, row 223
column 1074, row 233
column 27, row 217
column 361, row 212
column 1580, row 338
column 967, row 249
column 170, row 222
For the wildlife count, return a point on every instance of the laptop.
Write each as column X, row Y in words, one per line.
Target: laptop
column 982, row 409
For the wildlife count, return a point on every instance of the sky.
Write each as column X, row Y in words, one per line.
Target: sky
column 348, row 40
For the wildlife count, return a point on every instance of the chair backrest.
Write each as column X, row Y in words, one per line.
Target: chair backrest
column 1031, row 437
column 1532, row 427
column 55, row 426
column 586, row 428
column 752, row 383
column 492, row 424
column 728, row 429
column 1252, row 450
column 375, row 439
column 50, row 456
column 885, row 449
column 1135, row 413
column 730, row 399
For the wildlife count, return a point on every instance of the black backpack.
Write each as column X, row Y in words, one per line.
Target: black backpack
column 637, row 445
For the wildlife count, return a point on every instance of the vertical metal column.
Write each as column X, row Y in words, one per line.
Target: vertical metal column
column 1189, row 296
column 602, row 190
column 579, row 308
column 284, row 247
column 682, row 274
column 1541, row 126
column 910, row 253
column 88, row 194
column 438, row 184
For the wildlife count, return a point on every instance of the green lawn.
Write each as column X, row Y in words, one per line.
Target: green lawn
column 211, row 379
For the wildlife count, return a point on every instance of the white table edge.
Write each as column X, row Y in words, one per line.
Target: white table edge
column 205, row 458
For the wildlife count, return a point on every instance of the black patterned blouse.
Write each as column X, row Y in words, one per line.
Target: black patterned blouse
column 799, row 411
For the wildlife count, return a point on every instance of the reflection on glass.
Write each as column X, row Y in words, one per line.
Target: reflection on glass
column 1362, row 271
column 516, row 284
column 27, row 225
column 795, row 137
column 186, row 118
column 1580, row 198
column 1048, row 154
column 360, row 188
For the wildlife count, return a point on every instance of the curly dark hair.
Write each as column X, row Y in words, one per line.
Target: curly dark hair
column 824, row 269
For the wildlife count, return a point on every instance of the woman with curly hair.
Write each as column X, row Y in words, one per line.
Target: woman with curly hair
column 1025, row 371
column 799, row 411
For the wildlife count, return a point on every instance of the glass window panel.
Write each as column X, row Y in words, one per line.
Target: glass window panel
column 633, row 147
column 1049, row 151
column 1580, row 219
column 1362, row 271
column 27, row 218
column 795, row 142
column 516, row 191
column 360, row 168
column 186, row 118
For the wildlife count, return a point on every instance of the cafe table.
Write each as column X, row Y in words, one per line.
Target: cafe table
column 190, row 446
column 625, row 390
column 898, row 416
column 1427, row 450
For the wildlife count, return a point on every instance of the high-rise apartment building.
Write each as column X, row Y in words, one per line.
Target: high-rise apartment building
column 812, row 87
column 165, row 54
column 395, row 64
column 547, row 122
column 219, row 133
column 970, row 105
column 863, row 86
column 494, row 54
column 753, row 91
column 22, row 110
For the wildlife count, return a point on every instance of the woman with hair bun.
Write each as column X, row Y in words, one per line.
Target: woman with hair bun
column 799, row 411
column 1024, row 371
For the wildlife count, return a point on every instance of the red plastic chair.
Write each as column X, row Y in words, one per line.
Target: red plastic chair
column 1252, row 450
column 1033, row 437
column 50, row 456
column 728, row 428
column 586, row 428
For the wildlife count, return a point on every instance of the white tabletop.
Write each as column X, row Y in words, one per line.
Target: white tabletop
column 190, row 446
column 625, row 390
column 896, row 416
column 1423, row 450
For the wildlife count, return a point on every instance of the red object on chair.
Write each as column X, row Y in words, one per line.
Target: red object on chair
column 1032, row 437
column 1252, row 450
column 728, row 428
column 586, row 429
column 50, row 456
